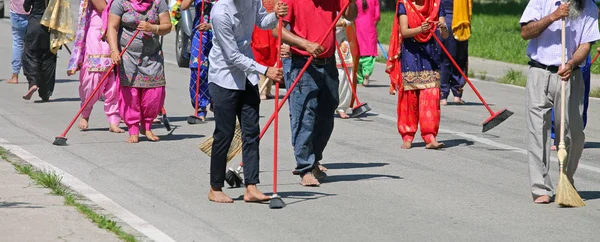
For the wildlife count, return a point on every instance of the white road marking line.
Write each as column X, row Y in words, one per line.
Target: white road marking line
column 491, row 143
column 100, row 199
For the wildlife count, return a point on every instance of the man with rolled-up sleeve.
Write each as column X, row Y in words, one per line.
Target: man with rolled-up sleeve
column 541, row 25
column 233, row 85
column 315, row 98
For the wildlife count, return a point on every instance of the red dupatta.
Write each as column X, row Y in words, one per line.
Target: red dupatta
column 429, row 12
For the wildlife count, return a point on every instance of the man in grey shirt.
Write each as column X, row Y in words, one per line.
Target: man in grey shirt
column 232, row 83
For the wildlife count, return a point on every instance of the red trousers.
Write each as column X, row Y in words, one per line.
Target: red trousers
column 419, row 107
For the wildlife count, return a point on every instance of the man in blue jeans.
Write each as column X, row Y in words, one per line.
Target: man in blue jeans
column 18, row 21
column 314, row 100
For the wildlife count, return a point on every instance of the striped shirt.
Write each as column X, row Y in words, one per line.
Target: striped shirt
column 546, row 48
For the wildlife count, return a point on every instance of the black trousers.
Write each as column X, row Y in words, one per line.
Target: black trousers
column 39, row 66
column 229, row 104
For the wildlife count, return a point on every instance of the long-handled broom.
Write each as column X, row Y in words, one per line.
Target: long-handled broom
column 566, row 195
column 62, row 139
column 360, row 108
column 276, row 201
column 207, row 144
column 495, row 118
column 194, row 119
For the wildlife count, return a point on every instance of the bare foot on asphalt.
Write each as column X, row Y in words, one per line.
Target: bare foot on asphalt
column 133, row 139
column 254, row 195
column 343, row 115
column 309, row 180
column 434, row 145
column 83, row 124
column 459, row 101
column 217, row 195
column 14, row 79
column 406, row 145
column 30, row 92
column 113, row 128
column 151, row 136
column 542, row 199
column 323, row 168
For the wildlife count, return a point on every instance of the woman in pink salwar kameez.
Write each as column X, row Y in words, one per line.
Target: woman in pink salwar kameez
column 366, row 33
column 91, row 56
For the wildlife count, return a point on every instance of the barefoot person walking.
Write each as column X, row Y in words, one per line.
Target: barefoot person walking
column 314, row 100
column 39, row 63
column 233, row 85
column 541, row 25
column 18, row 23
column 419, row 92
column 91, row 55
column 141, row 69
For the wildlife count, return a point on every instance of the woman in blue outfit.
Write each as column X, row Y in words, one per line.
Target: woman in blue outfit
column 201, row 32
column 451, row 79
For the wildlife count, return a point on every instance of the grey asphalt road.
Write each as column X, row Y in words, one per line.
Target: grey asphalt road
column 476, row 189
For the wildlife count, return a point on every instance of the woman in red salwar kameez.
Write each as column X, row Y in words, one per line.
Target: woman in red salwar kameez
column 415, row 73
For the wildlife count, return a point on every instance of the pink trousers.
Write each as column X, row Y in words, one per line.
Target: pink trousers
column 140, row 106
column 110, row 89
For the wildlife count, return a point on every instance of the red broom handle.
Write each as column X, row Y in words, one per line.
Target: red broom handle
column 287, row 94
column 595, row 57
column 276, row 128
column 200, row 52
column 454, row 62
column 347, row 73
column 98, row 87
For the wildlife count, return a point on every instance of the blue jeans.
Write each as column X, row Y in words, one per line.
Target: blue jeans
column 312, row 106
column 19, row 25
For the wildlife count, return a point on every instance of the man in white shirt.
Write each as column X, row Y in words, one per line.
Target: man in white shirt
column 233, row 86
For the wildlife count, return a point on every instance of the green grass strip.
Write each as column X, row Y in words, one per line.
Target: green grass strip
column 51, row 180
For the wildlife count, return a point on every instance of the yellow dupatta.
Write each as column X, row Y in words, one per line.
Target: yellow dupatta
column 462, row 10
column 59, row 21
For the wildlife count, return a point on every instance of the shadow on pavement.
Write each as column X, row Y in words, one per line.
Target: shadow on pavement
column 66, row 80
column 334, row 166
column 589, row 195
column 62, row 99
column 356, row 177
column 293, row 197
column 17, row 205
column 174, row 137
column 448, row 143
column 593, row 145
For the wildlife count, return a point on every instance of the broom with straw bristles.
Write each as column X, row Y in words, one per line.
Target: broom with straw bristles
column 236, row 143
column 566, row 195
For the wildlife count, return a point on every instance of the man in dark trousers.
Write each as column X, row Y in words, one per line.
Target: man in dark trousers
column 233, row 86
column 314, row 100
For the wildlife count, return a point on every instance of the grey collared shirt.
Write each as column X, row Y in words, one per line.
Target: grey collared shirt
column 231, row 61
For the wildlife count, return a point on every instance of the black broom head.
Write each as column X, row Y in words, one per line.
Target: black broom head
column 496, row 119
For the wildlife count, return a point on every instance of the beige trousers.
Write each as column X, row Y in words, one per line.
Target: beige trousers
column 543, row 92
